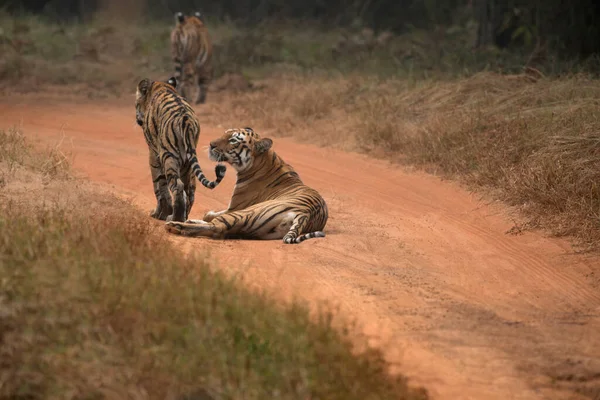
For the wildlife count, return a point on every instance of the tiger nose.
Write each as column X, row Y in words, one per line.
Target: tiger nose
column 212, row 145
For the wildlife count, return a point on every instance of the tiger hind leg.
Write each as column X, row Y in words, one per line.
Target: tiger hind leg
column 177, row 189
column 186, row 80
column 164, row 206
column 190, row 191
column 201, row 98
column 294, row 237
column 202, row 89
column 204, row 75
column 180, row 202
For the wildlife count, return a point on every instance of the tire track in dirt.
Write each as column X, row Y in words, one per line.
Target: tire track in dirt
column 424, row 267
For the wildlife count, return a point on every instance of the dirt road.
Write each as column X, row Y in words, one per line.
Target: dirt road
column 463, row 308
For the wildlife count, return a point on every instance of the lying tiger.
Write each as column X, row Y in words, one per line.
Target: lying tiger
column 269, row 200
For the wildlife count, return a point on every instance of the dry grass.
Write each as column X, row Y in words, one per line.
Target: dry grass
column 13, row 148
column 532, row 140
column 509, row 134
column 95, row 302
column 57, row 162
column 15, row 152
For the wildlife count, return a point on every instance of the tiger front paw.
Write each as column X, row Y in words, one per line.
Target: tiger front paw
column 173, row 227
column 209, row 216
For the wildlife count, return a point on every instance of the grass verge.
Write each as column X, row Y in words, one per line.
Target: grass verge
column 95, row 305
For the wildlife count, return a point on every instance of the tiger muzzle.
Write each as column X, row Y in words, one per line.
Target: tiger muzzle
column 215, row 154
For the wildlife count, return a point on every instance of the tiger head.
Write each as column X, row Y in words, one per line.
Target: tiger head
column 239, row 147
column 144, row 92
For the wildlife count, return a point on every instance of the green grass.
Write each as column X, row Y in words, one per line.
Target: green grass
column 96, row 302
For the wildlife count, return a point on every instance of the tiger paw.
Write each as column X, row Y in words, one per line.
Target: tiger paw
column 209, row 216
column 157, row 214
column 173, row 227
column 176, row 217
column 162, row 211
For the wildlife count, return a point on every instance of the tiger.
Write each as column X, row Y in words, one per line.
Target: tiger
column 269, row 199
column 191, row 51
column 171, row 130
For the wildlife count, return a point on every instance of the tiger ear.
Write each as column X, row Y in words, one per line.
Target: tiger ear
column 263, row 145
column 172, row 81
column 144, row 86
column 179, row 17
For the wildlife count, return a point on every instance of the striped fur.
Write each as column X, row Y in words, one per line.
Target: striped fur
column 269, row 200
column 191, row 50
column 171, row 130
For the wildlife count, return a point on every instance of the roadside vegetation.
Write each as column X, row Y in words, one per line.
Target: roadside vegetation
column 95, row 302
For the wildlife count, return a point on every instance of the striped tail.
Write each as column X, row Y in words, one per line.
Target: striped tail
column 219, row 171
column 302, row 238
column 178, row 68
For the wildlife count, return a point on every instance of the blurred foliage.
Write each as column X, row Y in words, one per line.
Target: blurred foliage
column 570, row 28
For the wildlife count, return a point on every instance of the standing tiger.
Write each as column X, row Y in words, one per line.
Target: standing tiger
column 269, row 200
column 191, row 50
column 171, row 130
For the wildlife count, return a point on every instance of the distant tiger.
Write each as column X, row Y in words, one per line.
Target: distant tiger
column 171, row 130
column 269, row 200
column 191, row 50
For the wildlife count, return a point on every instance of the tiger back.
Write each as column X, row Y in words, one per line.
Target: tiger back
column 269, row 201
column 171, row 130
column 191, row 50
